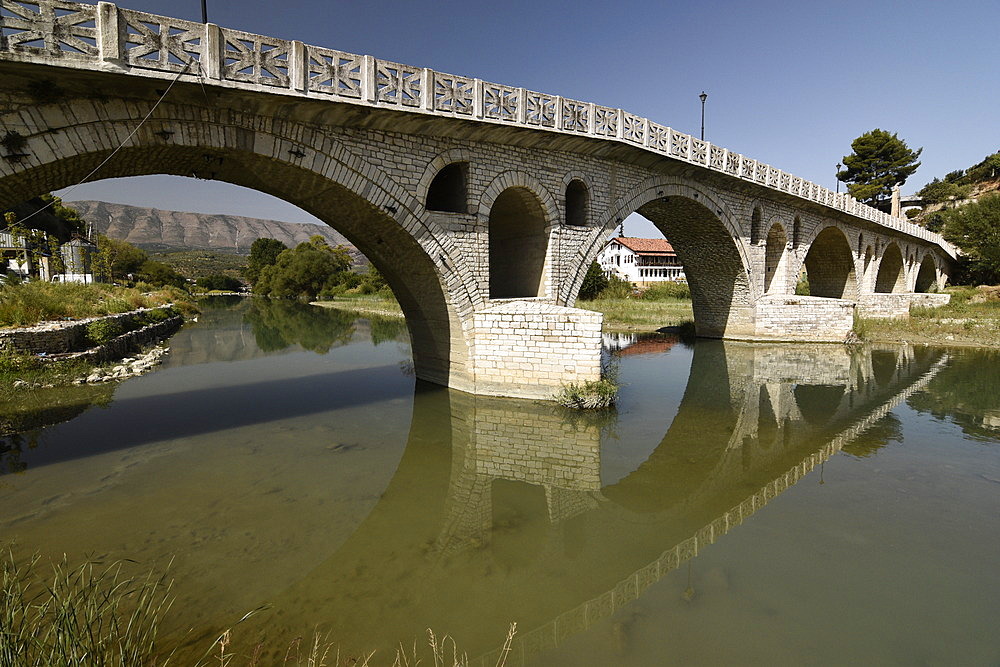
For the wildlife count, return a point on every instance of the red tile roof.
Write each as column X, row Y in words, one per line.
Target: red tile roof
column 646, row 246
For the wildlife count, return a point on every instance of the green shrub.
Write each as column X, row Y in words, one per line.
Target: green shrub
column 618, row 288
column 590, row 395
column 101, row 331
column 594, row 283
column 666, row 290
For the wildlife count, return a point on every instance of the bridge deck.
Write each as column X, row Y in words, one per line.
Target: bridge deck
column 103, row 36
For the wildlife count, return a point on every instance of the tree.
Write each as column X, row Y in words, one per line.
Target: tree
column 593, row 283
column 263, row 252
column 975, row 228
column 158, row 273
column 303, row 272
column 117, row 259
column 880, row 161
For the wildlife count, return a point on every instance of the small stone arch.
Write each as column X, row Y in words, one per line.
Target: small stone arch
column 891, row 276
column 830, row 265
column 927, row 274
column 775, row 260
column 577, row 203
column 519, row 215
column 444, row 185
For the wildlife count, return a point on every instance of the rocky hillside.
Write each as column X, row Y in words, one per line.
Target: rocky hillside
column 156, row 230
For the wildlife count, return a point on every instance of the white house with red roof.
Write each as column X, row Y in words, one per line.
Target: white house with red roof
column 640, row 261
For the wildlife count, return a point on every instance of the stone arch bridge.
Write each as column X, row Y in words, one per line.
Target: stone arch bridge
column 482, row 204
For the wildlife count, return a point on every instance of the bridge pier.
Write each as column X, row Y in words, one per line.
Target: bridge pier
column 530, row 348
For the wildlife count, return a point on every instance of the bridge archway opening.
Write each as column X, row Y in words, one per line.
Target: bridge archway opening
column 713, row 266
column 926, row 275
column 577, row 203
column 775, row 263
column 890, row 276
column 408, row 269
column 829, row 266
column 518, row 244
column 449, row 192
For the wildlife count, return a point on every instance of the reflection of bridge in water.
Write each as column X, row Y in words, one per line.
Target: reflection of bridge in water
column 511, row 522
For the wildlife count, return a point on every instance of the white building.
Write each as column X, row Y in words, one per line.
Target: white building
column 640, row 261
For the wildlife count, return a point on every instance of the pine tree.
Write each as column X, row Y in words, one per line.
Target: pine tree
column 880, row 161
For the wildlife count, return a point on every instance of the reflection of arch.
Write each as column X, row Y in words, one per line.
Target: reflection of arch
column 830, row 266
column 577, row 203
column 816, row 402
column 775, row 264
column 518, row 243
column 927, row 275
column 890, row 276
column 294, row 162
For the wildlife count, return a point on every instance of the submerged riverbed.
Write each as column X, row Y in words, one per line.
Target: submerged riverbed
column 745, row 504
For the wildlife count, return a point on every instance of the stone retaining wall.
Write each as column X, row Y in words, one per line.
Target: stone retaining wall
column 898, row 305
column 55, row 338
column 804, row 318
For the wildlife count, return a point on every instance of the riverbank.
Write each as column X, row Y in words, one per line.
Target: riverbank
column 366, row 305
column 972, row 319
column 57, row 334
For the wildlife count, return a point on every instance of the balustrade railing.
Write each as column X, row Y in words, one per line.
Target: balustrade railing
column 79, row 35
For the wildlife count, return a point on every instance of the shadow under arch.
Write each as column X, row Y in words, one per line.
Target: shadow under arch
column 926, row 274
column 891, row 276
column 330, row 182
column 830, row 266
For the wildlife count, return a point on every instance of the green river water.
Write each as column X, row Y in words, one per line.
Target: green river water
column 745, row 504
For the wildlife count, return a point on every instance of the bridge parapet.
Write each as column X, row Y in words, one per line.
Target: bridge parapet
column 82, row 36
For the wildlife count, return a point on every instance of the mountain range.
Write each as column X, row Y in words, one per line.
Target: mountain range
column 166, row 231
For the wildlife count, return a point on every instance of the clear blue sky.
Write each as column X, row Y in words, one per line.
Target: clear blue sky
column 791, row 84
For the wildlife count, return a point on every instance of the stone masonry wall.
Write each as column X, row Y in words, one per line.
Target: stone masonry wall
column 530, row 348
column 804, row 318
column 893, row 306
column 52, row 338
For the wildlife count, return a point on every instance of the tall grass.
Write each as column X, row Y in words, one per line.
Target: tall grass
column 98, row 615
column 90, row 614
column 29, row 303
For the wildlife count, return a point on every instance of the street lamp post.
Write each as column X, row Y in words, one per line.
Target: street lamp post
column 703, row 97
column 204, row 11
column 838, row 179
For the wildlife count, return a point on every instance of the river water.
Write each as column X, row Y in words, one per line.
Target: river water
column 745, row 504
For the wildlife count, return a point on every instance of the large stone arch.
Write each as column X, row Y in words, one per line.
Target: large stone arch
column 891, row 275
column 926, row 274
column 830, row 265
column 301, row 164
column 705, row 234
column 519, row 195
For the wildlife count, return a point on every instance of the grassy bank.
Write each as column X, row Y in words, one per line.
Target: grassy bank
column 30, row 303
column 971, row 319
column 368, row 304
column 627, row 315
